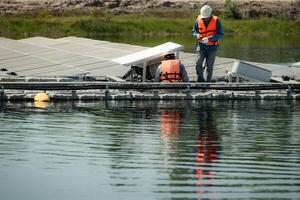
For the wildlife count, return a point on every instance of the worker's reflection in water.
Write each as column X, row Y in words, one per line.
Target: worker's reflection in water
column 206, row 144
column 169, row 133
column 206, row 149
column 170, row 120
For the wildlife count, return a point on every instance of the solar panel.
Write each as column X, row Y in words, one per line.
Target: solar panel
column 40, row 56
column 72, row 56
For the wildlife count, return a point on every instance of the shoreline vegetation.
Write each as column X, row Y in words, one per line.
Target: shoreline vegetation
column 151, row 22
column 92, row 22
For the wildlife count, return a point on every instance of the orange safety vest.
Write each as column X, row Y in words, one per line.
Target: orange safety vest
column 170, row 71
column 208, row 31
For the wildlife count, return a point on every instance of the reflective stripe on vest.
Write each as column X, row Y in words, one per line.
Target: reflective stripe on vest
column 170, row 71
column 209, row 31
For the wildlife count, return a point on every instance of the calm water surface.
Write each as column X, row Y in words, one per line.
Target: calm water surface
column 150, row 150
column 268, row 49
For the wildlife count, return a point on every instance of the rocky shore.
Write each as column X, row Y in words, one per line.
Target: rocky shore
column 253, row 8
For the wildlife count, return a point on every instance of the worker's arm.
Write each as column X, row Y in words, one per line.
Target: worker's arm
column 219, row 34
column 185, row 77
column 195, row 29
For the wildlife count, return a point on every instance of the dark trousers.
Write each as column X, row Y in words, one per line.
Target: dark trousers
column 209, row 56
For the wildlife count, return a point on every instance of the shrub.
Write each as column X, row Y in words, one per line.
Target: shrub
column 231, row 11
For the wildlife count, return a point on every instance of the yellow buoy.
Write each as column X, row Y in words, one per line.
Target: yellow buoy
column 41, row 97
column 41, row 104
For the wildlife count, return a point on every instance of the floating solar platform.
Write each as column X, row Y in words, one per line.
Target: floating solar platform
column 74, row 56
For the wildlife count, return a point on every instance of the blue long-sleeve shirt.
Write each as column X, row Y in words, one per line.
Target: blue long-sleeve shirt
column 217, row 36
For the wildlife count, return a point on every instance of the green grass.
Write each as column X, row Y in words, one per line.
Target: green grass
column 263, row 26
column 152, row 22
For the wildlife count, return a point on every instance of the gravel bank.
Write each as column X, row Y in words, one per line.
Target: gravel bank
column 253, row 8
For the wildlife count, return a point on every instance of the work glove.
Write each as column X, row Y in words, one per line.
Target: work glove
column 205, row 40
column 198, row 36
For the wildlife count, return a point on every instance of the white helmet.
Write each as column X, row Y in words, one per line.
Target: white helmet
column 205, row 11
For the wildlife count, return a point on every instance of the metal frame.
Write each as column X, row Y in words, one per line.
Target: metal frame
column 85, row 85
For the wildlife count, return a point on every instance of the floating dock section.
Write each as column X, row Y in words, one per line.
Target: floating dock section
column 149, row 91
column 73, row 68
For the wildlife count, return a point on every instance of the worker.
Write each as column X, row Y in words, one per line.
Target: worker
column 207, row 30
column 171, row 70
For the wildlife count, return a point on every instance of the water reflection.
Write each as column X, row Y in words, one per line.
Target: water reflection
column 150, row 150
column 207, row 152
column 169, row 133
column 169, row 120
column 183, row 148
